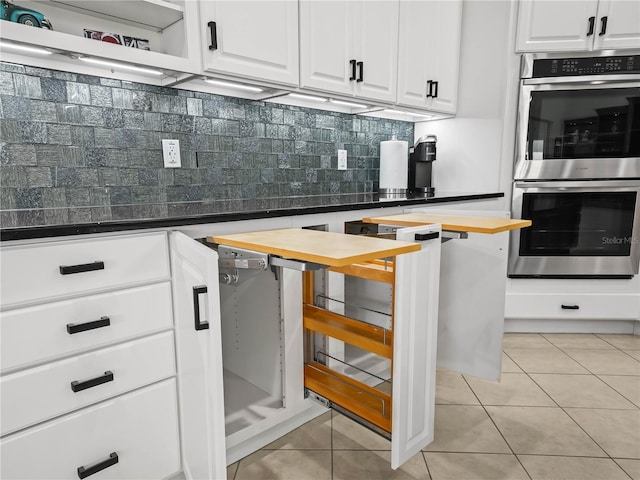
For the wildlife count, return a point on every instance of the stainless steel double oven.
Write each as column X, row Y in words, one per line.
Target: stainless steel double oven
column 577, row 173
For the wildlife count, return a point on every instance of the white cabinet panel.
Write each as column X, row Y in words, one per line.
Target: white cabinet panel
column 327, row 46
column 48, row 391
column 548, row 26
column 414, row 345
column 40, row 333
column 199, row 357
column 40, row 272
column 622, row 28
column 429, row 51
column 140, row 427
column 566, row 306
column 350, row 48
column 251, row 39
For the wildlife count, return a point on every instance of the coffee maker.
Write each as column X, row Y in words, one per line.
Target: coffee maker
column 421, row 158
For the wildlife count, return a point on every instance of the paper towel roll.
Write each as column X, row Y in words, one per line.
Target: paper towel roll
column 394, row 164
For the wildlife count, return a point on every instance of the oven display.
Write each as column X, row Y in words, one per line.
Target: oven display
column 568, row 67
column 578, row 224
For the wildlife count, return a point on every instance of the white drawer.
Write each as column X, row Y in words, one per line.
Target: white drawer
column 33, row 273
column 37, row 394
column 39, row 333
column 140, row 427
column 563, row 306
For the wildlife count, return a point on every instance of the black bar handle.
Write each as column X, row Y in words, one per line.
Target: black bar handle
column 83, row 327
column 84, row 472
column 435, row 95
column 429, row 88
column 603, row 26
column 94, row 382
column 571, row 307
column 214, row 35
column 196, row 307
column 361, row 72
column 421, row 237
column 85, row 267
column 353, row 70
column 592, row 24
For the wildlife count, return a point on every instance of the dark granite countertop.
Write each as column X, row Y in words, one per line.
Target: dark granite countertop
column 283, row 207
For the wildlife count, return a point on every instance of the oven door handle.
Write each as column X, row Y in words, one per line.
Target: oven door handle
column 573, row 184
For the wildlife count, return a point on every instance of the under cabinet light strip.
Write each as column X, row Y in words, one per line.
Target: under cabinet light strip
column 307, row 97
column 24, row 48
column 123, row 66
column 347, row 104
column 237, row 86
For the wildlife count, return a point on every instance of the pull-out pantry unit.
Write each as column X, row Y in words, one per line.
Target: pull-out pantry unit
column 257, row 326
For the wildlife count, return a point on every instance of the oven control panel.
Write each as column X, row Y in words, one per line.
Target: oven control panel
column 571, row 67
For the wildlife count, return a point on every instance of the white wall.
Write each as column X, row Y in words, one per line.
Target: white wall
column 471, row 153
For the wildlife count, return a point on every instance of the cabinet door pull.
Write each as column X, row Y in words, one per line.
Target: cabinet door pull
column 85, row 267
column 429, row 88
column 84, row 472
column 83, row 327
column 435, row 84
column 570, row 307
column 361, row 72
column 214, row 35
column 603, row 26
column 196, row 307
column 94, row 382
column 592, row 24
column 353, row 70
column 421, row 237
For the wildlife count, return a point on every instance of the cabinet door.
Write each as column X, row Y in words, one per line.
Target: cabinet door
column 327, row 53
column 377, row 45
column 429, row 53
column 545, row 26
column 252, row 39
column 414, row 345
column 199, row 357
column 622, row 27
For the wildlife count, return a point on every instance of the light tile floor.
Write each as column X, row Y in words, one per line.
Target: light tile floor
column 567, row 408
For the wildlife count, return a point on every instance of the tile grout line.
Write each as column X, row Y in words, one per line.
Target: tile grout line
column 496, row 426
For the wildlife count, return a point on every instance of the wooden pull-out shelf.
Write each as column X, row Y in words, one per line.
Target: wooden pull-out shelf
column 379, row 271
column 366, row 402
column 359, row 334
column 326, row 248
column 455, row 223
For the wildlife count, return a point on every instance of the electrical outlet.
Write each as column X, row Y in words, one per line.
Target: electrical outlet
column 171, row 153
column 342, row 159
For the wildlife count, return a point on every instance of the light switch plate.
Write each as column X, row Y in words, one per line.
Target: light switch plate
column 342, row 159
column 171, row 153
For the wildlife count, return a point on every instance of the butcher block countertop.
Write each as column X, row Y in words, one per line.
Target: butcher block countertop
column 327, row 248
column 455, row 223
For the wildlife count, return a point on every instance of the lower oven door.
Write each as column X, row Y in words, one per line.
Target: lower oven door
column 588, row 229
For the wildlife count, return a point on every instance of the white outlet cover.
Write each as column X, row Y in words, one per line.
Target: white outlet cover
column 342, row 159
column 171, row 153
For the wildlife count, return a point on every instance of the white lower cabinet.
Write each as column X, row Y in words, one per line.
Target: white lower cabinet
column 132, row 436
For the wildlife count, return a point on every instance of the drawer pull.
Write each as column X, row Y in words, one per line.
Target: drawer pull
column 85, row 267
column 94, row 382
column 571, row 307
column 196, row 307
column 84, row 472
column 420, row 237
column 83, row 327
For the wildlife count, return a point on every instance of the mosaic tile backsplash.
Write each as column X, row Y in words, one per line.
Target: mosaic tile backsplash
column 83, row 149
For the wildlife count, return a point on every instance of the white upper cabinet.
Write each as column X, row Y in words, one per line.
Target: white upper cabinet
column 251, row 39
column 161, row 29
column 350, row 48
column 429, row 54
column 545, row 26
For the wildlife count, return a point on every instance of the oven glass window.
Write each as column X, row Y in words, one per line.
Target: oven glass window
column 584, row 123
column 578, row 224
